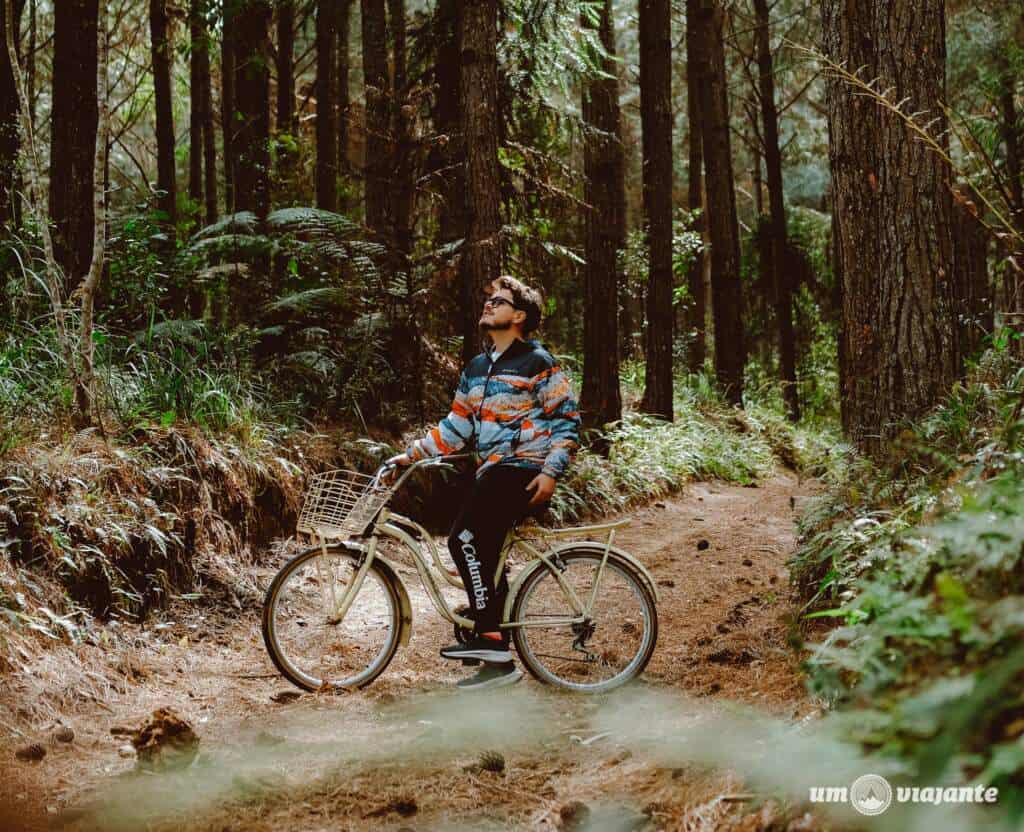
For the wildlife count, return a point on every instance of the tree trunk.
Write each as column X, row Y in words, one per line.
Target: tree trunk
column 202, row 152
column 1010, row 133
column 73, row 135
column 894, row 216
column 10, row 141
column 227, row 102
column 252, row 89
column 697, row 311
column 9, row 137
column 448, row 156
column 601, row 399
column 344, row 27
column 402, row 188
column 377, row 92
column 478, row 97
column 197, row 36
column 206, row 119
column 167, row 192
column 285, row 67
column 782, row 289
column 85, row 390
column 326, row 127
column 656, row 120
column 723, row 227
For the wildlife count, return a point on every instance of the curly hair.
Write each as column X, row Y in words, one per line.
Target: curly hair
column 524, row 297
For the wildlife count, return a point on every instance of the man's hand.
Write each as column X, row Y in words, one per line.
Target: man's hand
column 545, row 486
column 400, row 461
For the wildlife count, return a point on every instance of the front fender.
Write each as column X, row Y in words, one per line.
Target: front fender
column 591, row 545
column 404, row 605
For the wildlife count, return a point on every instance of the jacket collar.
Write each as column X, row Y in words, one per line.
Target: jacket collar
column 515, row 348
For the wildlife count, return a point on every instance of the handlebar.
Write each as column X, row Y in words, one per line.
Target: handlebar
column 428, row 462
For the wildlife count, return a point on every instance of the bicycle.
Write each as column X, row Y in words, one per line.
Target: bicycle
column 583, row 614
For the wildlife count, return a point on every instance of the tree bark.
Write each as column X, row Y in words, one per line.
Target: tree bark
column 478, row 97
column 202, row 153
column 447, row 160
column 160, row 45
column 1008, row 127
column 723, row 227
column 326, row 126
column 196, row 35
column 73, row 135
column 697, row 311
column 10, row 140
column 227, row 102
column 782, row 289
column 402, row 188
column 206, row 120
column 285, row 64
column 601, row 399
column 656, row 120
column 344, row 27
column 252, row 89
column 85, row 391
column 377, row 92
column 894, row 216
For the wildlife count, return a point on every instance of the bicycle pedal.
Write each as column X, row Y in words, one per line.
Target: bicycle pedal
column 470, row 662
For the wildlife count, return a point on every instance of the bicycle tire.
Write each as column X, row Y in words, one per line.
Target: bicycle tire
column 270, row 627
column 638, row 585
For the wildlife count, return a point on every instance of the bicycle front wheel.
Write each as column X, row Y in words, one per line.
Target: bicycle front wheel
column 307, row 643
column 610, row 647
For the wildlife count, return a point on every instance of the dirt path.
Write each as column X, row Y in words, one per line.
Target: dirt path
column 406, row 751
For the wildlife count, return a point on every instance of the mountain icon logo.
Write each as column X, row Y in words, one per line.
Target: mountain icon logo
column 871, row 794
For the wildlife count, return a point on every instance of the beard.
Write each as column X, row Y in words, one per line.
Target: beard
column 487, row 326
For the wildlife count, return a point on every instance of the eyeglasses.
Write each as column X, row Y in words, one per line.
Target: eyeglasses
column 496, row 302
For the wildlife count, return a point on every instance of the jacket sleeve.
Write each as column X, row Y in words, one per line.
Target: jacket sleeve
column 555, row 398
column 453, row 431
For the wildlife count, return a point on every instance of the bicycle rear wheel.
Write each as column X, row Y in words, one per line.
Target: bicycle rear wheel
column 309, row 647
column 612, row 646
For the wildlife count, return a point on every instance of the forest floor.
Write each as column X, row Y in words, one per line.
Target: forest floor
column 401, row 753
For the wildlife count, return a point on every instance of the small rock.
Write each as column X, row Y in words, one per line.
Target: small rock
column 660, row 505
column 64, row 734
column 31, row 753
column 573, row 816
column 702, row 544
column 792, row 502
column 666, row 582
column 282, row 697
column 748, row 562
column 126, row 750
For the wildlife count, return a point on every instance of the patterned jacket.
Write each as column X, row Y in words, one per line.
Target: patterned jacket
column 518, row 410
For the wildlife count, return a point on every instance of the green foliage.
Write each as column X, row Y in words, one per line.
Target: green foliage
column 919, row 560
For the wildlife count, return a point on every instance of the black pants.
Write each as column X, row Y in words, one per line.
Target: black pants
column 494, row 504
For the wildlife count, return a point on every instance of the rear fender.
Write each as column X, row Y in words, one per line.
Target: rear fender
column 589, row 545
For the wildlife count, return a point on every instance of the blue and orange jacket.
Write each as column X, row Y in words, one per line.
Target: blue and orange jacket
column 518, row 410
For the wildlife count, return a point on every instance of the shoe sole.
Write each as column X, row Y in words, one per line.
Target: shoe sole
column 495, row 656
column 497, row 682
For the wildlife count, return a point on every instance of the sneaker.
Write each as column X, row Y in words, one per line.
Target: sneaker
column 485, row 649
column 491, row 676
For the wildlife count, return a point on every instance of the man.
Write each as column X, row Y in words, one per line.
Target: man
column 515, row 404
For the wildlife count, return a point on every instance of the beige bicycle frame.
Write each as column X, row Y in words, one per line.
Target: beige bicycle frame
column 383, row 526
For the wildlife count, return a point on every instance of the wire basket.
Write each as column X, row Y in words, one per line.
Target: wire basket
column 341, row 503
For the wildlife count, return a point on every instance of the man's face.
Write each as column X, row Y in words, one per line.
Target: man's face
column 498, row 312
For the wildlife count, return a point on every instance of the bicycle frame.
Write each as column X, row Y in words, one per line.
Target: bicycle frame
column 390, row 524
column 395, row 526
